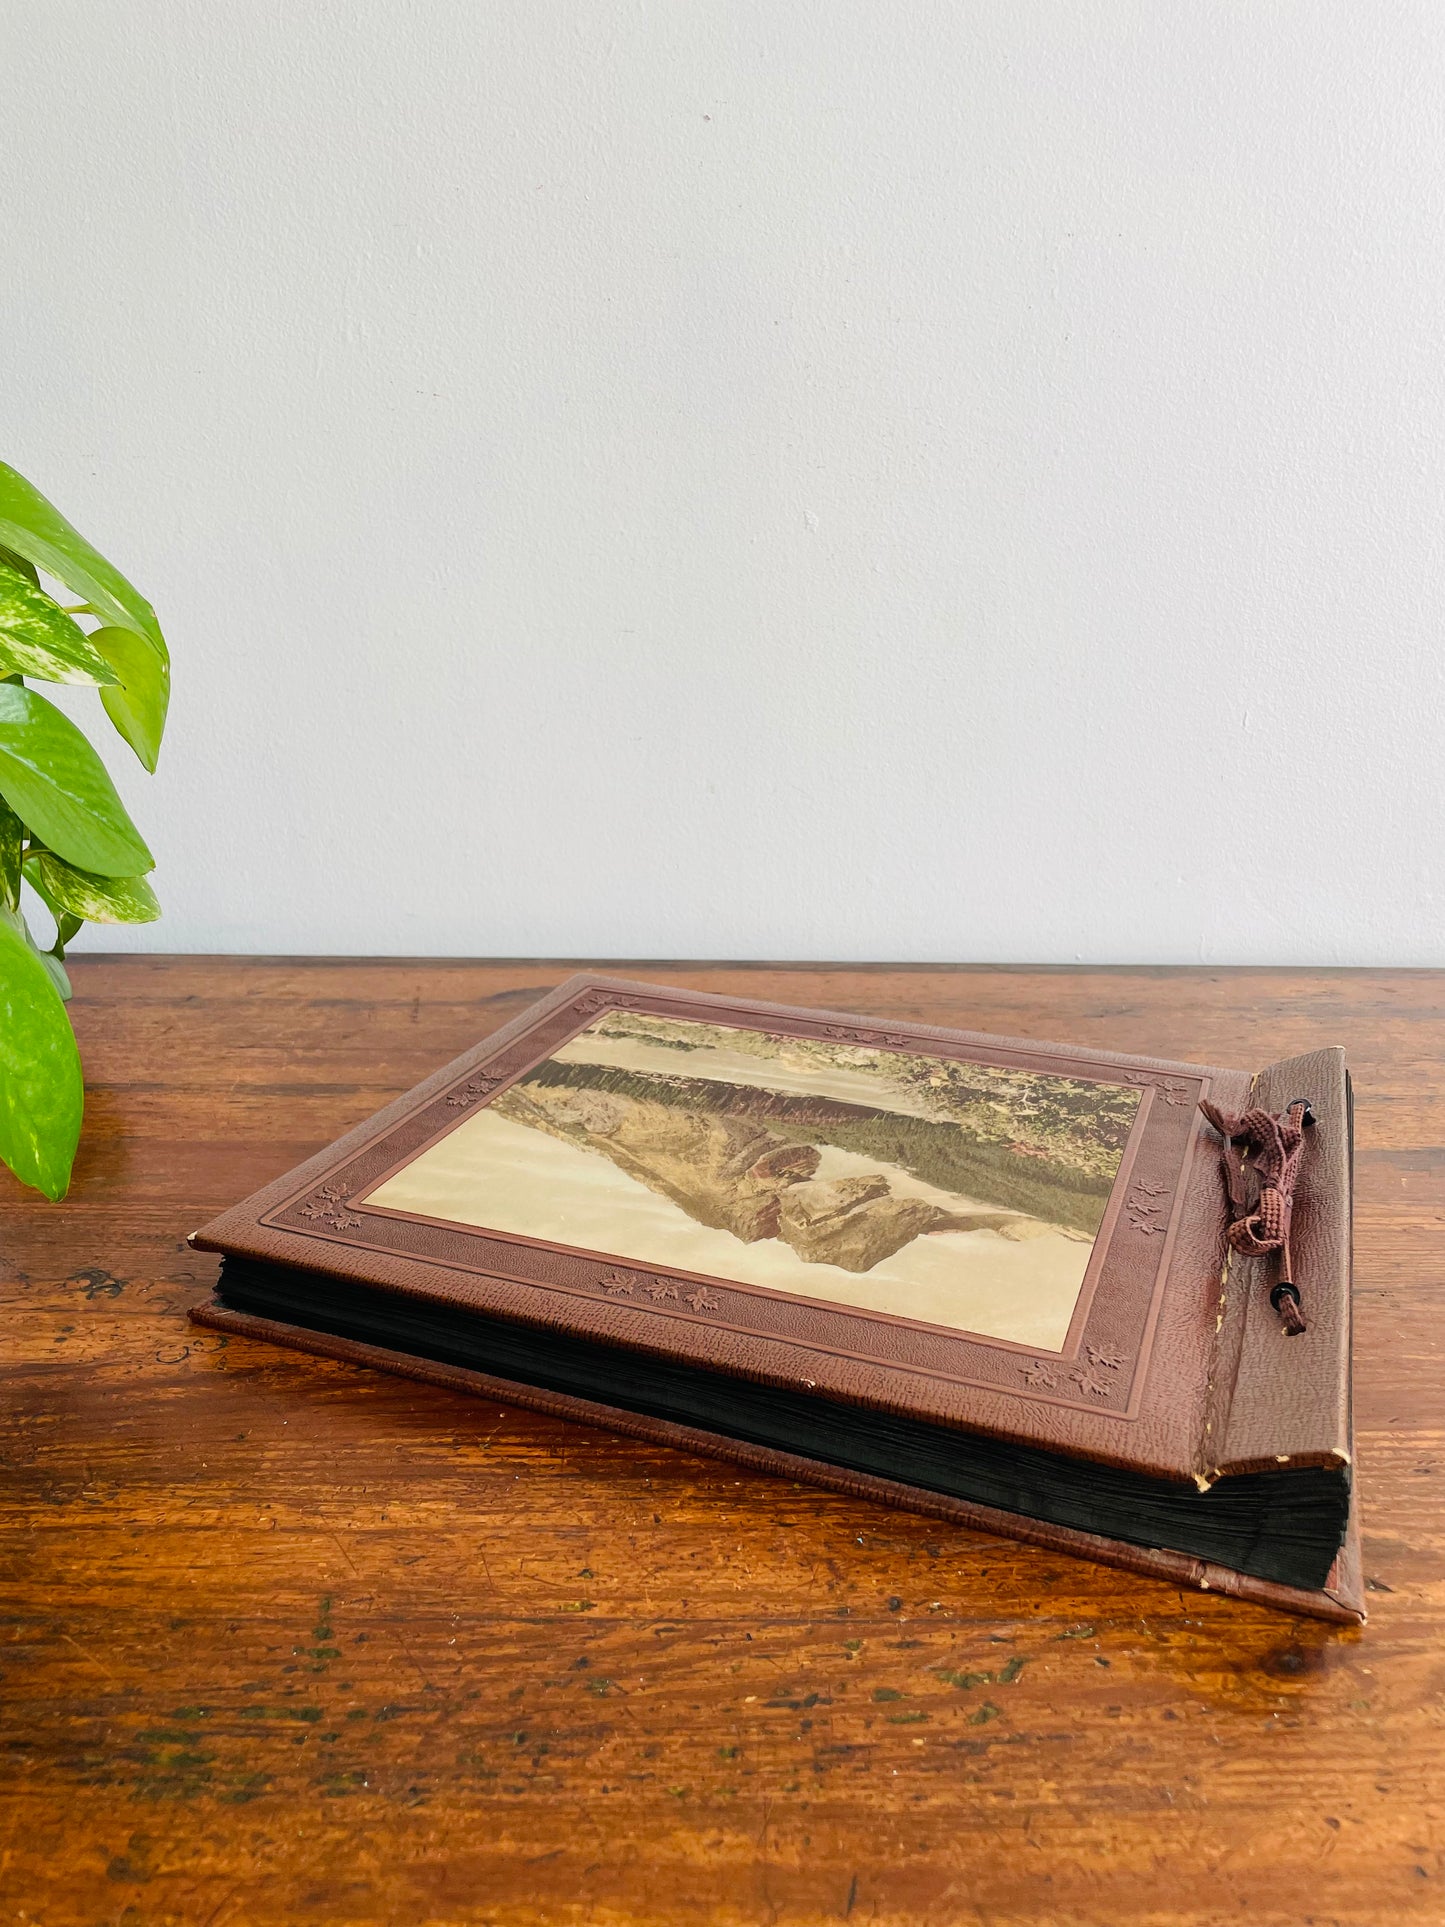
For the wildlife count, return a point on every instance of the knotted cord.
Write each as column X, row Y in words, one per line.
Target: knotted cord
column 1261, row 1156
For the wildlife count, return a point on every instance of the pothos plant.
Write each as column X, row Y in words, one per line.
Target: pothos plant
column 64, row 832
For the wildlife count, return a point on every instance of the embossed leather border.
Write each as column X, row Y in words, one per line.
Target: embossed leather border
column 1102, row 1366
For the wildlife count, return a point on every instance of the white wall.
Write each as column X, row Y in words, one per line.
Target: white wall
column 891, row 478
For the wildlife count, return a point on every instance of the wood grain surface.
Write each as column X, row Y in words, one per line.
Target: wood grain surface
column 282, row 1641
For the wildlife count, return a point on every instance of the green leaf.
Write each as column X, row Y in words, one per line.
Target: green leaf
column 33, row 878
column 54, row 969
column 41, row 1094
column 94, row 899
column 14, row 561
column 12, row 832
column 36, row 529
column 57, row 783
column 66, row 925
column 37, row 638
column 137, row 703
column 65, row 928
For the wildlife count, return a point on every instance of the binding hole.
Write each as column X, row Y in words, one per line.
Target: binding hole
column 1285, row 1300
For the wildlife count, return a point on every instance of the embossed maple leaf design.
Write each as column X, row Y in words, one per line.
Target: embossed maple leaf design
column 1086, row 1382
column 702, row 1299
column 595, row 1000
column 328, row 1206
column 1111, row 1361
column 1144, row 1208
column 617, row 1285
column 1038, row 1374
column 479, row 1087
column 658, row 1291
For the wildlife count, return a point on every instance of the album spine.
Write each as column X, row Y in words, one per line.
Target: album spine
column 1279, row 1398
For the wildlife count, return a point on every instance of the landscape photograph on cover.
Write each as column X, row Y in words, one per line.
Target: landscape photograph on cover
column 959, row 1194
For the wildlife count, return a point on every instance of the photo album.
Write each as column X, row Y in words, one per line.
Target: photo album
column 1101, row 1303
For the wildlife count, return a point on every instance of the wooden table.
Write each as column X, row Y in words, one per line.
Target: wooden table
column 288, row 1642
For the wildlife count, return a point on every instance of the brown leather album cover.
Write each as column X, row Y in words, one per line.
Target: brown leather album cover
column 1021, row 1285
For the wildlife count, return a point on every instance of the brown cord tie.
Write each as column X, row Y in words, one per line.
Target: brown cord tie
column 1271, row 1148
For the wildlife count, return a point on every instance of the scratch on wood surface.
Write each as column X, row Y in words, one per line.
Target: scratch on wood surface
column 89, row 1658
